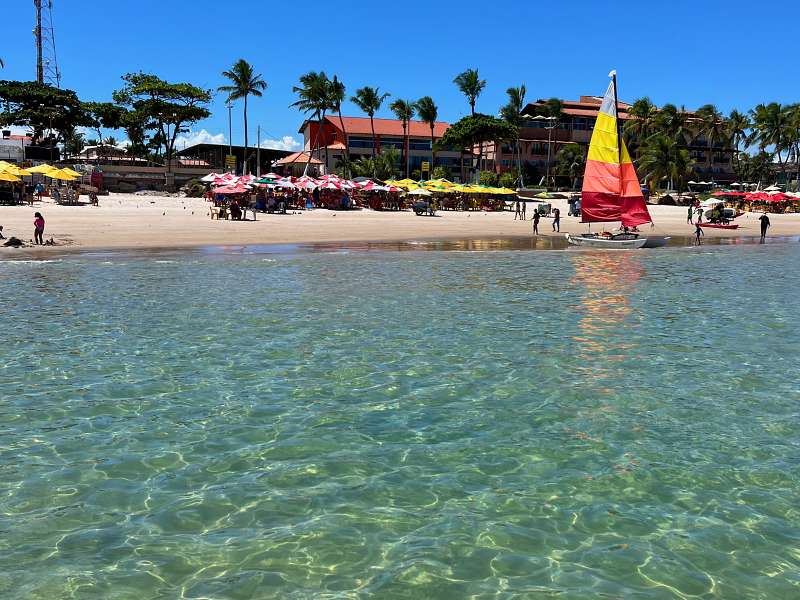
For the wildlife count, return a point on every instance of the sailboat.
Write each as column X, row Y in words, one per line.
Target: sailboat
column 611, row 190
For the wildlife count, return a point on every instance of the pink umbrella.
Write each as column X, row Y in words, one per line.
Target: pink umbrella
column 330, row 185
column 231, row 189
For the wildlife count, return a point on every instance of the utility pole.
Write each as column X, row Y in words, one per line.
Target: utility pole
column 230, row 130
column 38, row 33
column 258, row 154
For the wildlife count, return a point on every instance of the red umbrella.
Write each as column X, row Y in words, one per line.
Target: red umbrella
column 231, row 189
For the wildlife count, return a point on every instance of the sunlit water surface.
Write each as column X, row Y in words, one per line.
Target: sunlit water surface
column 426, row 425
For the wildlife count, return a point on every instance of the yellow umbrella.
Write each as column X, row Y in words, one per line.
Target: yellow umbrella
column 14, row 170
column 4, row 176
column 506, row 191
column 72, row 172
column 44, row 169
column 59, row 174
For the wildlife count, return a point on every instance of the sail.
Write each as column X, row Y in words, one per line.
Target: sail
column 611, row 189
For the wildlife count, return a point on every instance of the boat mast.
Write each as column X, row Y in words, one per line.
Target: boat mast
column 617, row 124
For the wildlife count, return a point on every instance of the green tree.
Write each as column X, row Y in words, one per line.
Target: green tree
column 738, row 126
column 428, row 112
column 404, row 110
column 244, row 82
column 507, row 180
column 440, row 172
column 383, row 166
column 314, row 98
column 104, row 115
column 488, row 178
column 571, row 162
column 370, row 100
column 756, row 168
column 158, row 105
column 43, row 108
column 512, row 113
column 770, row 130
column 640, row 123
column 663, row 159
column 477, row 129
column 552, row 110
column 674, row 123
column 471, row 85
column 713, row 127
column 74, row 142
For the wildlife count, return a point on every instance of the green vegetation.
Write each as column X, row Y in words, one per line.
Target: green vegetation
column 369, row 100
column 405, row 111
column 244, row 82
column 428, row 112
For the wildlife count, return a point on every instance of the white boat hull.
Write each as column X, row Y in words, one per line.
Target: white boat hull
column 606, row 243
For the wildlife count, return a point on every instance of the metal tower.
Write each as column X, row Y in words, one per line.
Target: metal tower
column 47, row 70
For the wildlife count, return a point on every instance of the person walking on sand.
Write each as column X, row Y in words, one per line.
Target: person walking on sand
column 557, row 220
column 765, row 224
column 698, row 233
column 38, row 229
column 536, row 217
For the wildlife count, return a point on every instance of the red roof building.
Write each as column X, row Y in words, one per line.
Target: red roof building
column 354, row 136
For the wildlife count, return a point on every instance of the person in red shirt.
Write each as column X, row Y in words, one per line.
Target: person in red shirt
column 38, row 228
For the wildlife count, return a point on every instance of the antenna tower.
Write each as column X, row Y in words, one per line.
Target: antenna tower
column 47, row 70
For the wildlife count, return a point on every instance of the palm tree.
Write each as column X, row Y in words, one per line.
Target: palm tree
column 511, row 112
column 336, row 91
column 673, row 123
column 639, row 126
column 571, row 162
column 793, row 138
column 662, row 158
column 471, row 85
column 713, row 126
column 315, row 97
column 404, row 110
column 428, row 112
column 369, row 100
column 738, row 125
column 770, row 123
column 245, row 82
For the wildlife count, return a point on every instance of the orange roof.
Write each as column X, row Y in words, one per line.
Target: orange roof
column 336, row 146
column 298, row 157
column 393, row 127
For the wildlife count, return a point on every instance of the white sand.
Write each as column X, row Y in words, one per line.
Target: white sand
column 130, row 221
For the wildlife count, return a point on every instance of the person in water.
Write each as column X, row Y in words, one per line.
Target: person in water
column 536, row 217
column 765, row 224
column 698, row 233
column 557, row 220
column 38, row 228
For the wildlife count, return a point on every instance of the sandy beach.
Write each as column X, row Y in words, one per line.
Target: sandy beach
column 131, row 221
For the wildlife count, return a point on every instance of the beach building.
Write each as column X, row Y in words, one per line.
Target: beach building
column 214, row 156
column 353, row 136
column 540, row 138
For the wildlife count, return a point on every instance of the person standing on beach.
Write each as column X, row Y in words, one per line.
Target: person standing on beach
column 38, row 229
column 689, row 215
column 765, row 224
column 517, row 212
column 524, row 216
column 698, row 233
column 699, row 215
column 536, row 218
column 557, row 220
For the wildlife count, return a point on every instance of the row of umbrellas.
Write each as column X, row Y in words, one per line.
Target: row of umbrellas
column 11, row 173
column 765, row 196
column 443, row 186
column 232, row 184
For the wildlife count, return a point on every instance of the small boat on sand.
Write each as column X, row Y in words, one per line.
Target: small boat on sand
column 719, row 225
column 620, row 241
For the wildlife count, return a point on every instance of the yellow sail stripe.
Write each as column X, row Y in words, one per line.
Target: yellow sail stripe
column 603, row 146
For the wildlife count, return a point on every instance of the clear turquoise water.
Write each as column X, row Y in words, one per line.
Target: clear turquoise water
column 401, row 425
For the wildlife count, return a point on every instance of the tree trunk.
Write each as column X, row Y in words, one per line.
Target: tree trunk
column 374, row 140
column 405, row 149
column 246, row 146
column 311, row 149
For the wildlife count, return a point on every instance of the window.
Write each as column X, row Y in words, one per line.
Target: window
column 415, row 144
column 360, row 142
column 391, row 143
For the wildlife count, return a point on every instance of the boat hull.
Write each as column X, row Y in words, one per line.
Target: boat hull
column 719, row 225
column 656, row 241
column 606, row 243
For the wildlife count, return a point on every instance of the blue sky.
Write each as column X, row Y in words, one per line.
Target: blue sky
column 734, row 54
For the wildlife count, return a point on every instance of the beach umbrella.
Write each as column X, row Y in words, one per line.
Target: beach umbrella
column 14, row 170
column 330, row 185
column 420, row 192
column 4, row 176
column 772, row 188
column 209, row 178
column 60, row 175
column 43, row 169
column 231, row 189
column 72, row 172
column 504, row 191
